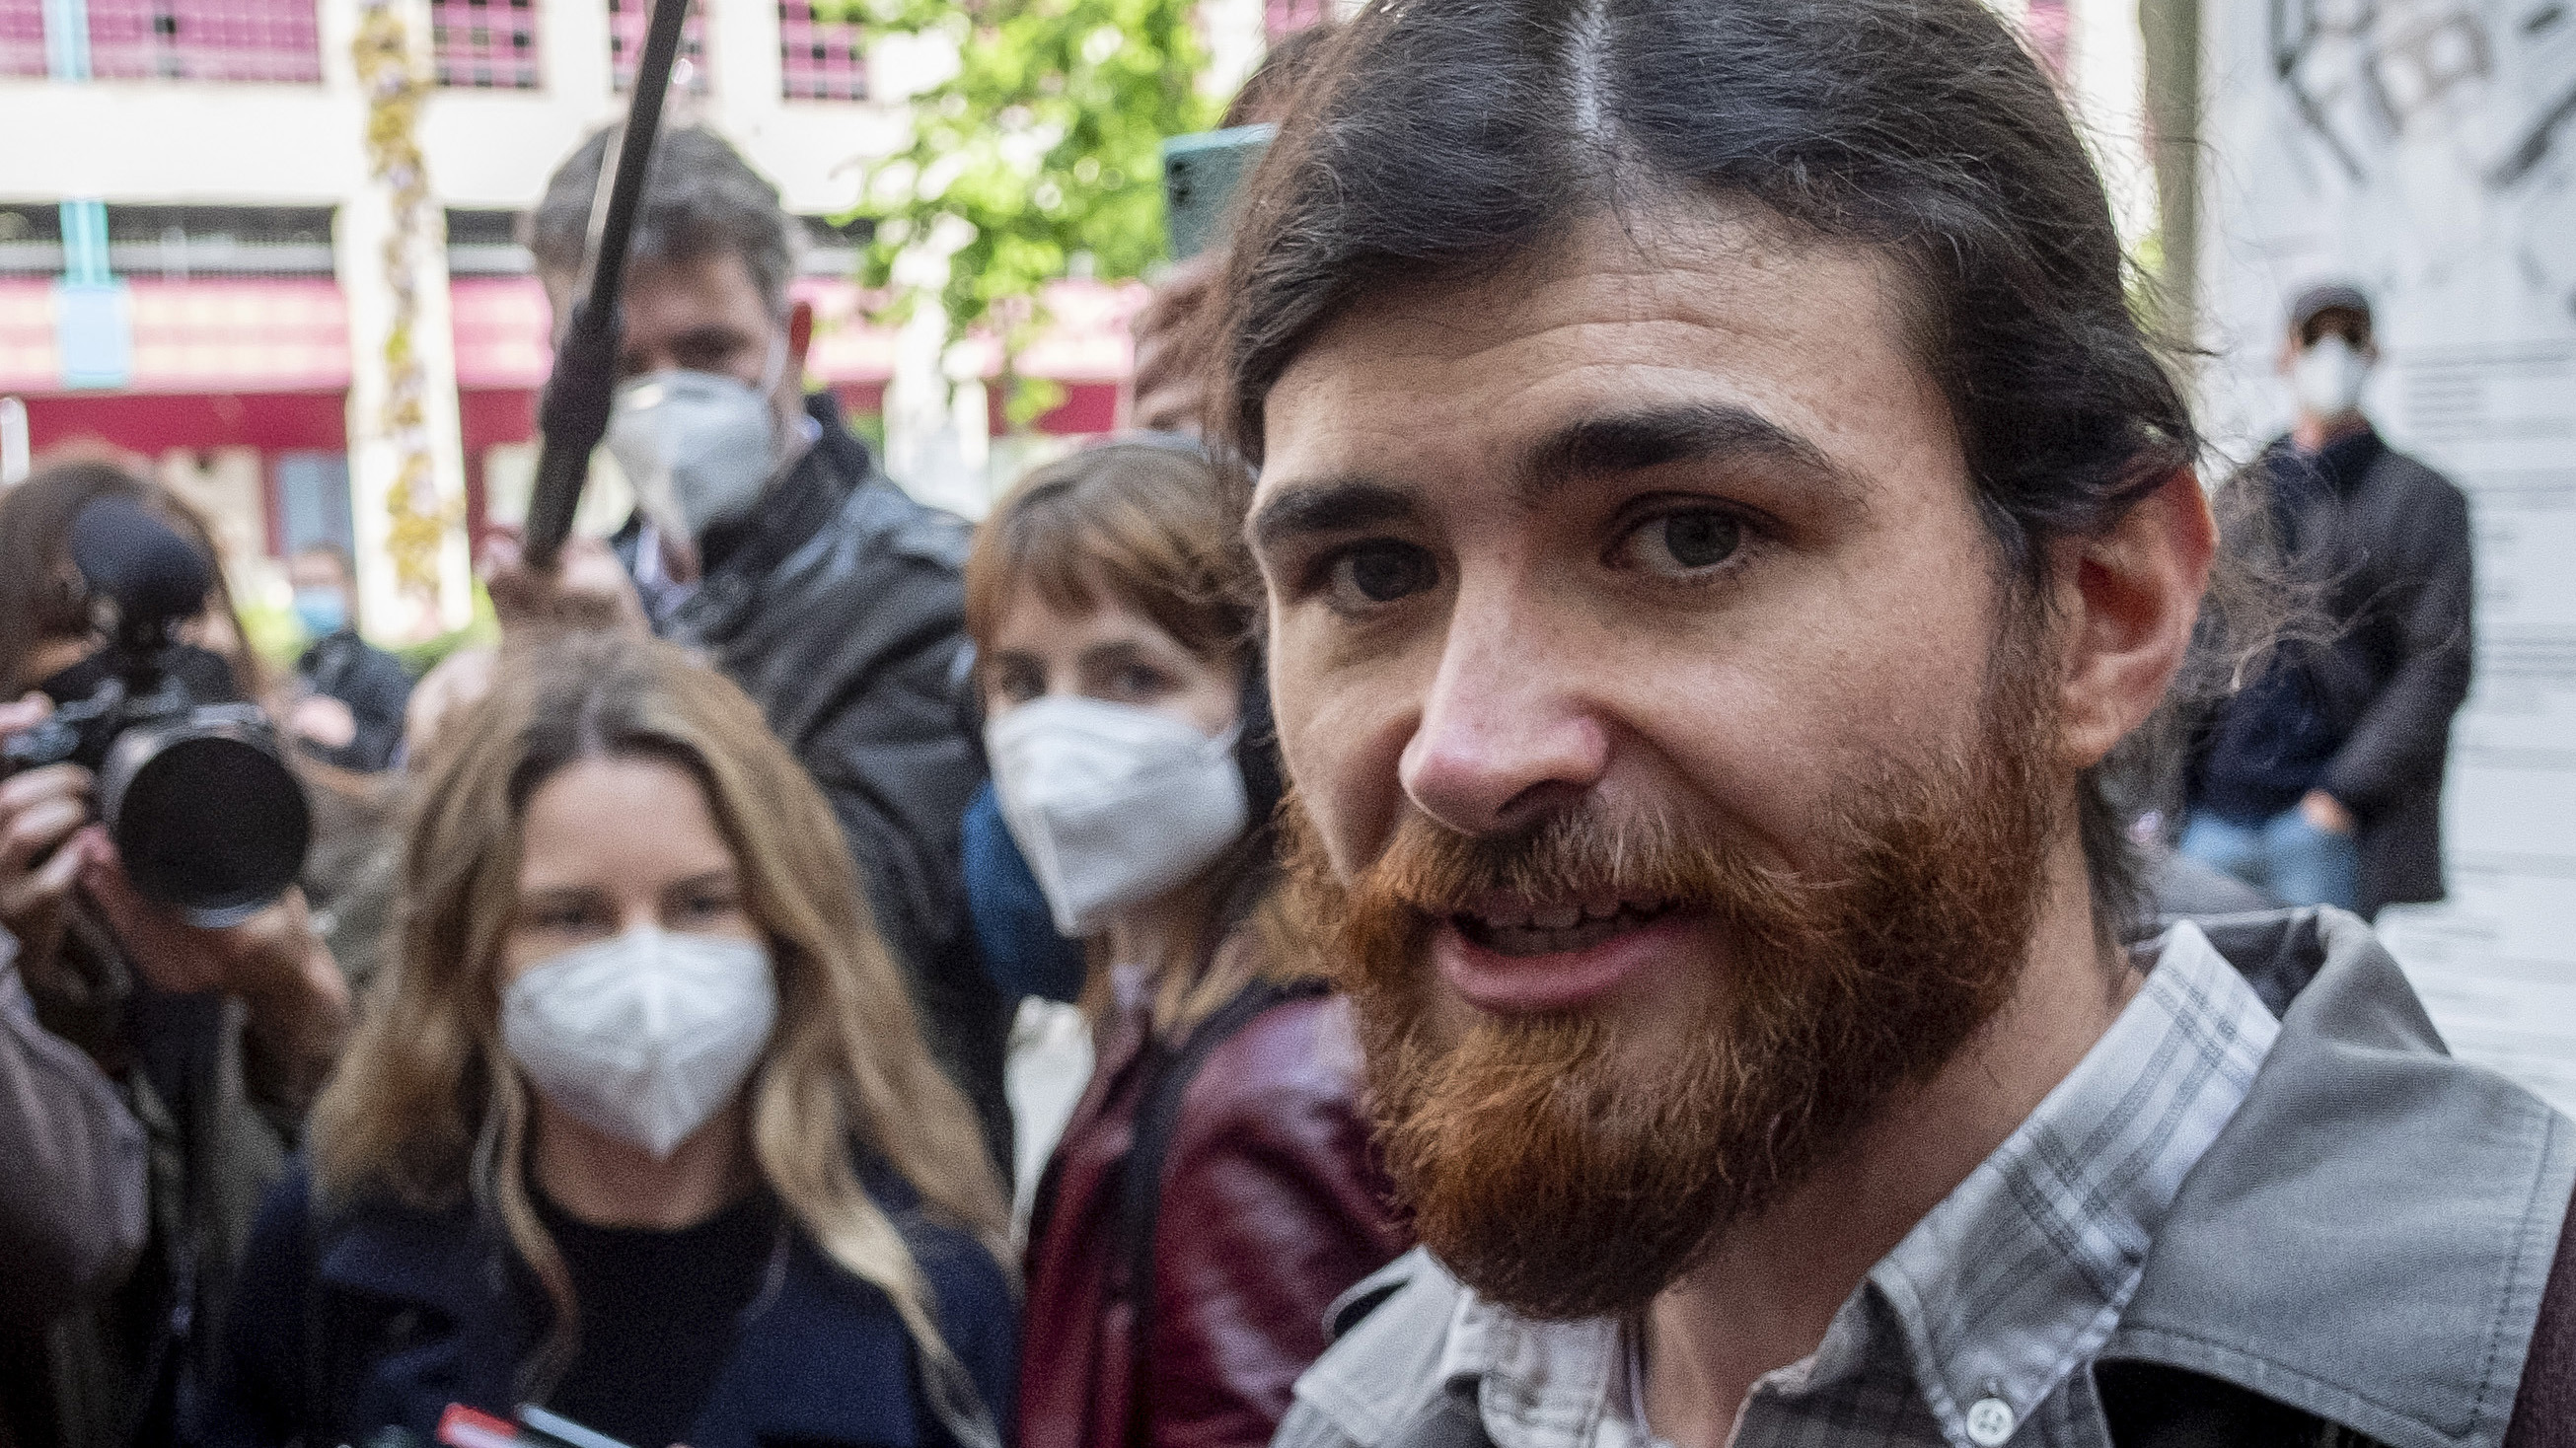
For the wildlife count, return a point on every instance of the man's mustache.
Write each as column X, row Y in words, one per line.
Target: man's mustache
column 1580, row 856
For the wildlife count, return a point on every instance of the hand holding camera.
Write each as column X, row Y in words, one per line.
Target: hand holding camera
column 40, row 811
column 167, row 801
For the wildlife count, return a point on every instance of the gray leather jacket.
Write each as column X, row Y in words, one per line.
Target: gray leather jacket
column 2363, row 1250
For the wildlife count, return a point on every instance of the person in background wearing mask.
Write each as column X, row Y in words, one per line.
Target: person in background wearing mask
column 353, row 693
column 640, row 1127
column 1214, row 1191
column 768, row 539
column 214, row 1039
column 2320, row 782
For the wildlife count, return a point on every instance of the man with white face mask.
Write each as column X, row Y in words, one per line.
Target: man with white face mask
column 767, row 538
column 2321, row 781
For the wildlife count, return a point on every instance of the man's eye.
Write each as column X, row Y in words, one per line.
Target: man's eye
column 1684, row 542
column 1136, row 681
column 1380, row 572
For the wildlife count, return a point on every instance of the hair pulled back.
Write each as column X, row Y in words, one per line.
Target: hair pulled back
column 1444, row 139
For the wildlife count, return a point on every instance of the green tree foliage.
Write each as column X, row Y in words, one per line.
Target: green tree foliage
column 1044, row 144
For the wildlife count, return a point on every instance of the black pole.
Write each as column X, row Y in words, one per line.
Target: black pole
column 574, row 415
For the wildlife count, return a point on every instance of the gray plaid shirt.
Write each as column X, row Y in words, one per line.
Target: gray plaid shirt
column 1972, row 1332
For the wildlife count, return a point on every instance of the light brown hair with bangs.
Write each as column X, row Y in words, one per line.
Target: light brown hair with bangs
column 1156, row 529
column 1152, row 527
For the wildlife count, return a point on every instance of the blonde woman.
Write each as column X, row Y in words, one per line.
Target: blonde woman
column 639, row 1126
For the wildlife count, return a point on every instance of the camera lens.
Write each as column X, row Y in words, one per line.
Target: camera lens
column 207, row 816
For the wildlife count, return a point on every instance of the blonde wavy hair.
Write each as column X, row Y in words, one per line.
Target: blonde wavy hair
column 428, row 1106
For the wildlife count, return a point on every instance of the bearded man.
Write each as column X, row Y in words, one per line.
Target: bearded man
column 1720, row 523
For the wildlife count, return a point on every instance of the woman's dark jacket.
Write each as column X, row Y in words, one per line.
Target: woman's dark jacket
column 1270, row 1206
column 418, row 1310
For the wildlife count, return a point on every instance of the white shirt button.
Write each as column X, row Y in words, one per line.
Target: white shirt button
column 1990, row 1422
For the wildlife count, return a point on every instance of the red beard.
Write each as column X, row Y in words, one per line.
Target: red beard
column 1557, row 1172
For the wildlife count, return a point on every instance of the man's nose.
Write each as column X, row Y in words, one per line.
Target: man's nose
column 1508, row 732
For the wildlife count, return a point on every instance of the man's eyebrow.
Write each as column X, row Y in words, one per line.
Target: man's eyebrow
column 1333, row 505
column 1628, row 442
column 1111, row 651
column 713, row 334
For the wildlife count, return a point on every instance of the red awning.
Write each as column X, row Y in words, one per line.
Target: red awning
column 267, row 334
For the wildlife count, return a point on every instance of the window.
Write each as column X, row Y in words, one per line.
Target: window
column 256, row 40
column 485, row 44
column 627, row 21
column 819, row 60
column 22, row 37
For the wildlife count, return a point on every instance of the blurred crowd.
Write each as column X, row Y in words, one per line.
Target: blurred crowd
column 632, row 1040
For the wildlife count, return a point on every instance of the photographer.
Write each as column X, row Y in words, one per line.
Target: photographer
column 216, row 1037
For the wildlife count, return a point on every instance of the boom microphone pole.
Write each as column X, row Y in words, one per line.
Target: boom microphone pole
column 574, row 416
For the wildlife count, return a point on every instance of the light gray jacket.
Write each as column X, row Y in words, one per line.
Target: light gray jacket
column 2445, row 1186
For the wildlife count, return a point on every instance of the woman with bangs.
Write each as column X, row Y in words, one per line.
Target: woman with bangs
column 639, row 1127
column 1214, row 1191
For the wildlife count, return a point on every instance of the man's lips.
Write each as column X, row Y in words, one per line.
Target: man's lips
column 1514, row 958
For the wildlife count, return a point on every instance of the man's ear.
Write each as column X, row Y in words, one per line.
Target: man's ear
column 2127, row 600
column 800, row 338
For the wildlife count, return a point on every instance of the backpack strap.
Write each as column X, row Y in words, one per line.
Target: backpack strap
column 1140, row 1182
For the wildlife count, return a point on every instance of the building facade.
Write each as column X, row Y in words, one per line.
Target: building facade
column 213, row 252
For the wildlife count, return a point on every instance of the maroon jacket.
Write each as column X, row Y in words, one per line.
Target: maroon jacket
column 1271, row 1205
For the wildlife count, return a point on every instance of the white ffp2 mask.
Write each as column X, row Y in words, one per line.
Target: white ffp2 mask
column 644, row 1036
column 1110, row 803
column 699, row 444
column 2327, row 377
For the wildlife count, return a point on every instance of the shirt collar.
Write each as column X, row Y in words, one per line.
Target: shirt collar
column 2018, row 1276
column 2009, row 1284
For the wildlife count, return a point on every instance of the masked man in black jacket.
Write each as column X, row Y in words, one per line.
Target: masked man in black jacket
column 767, row 537
column 2321, row 781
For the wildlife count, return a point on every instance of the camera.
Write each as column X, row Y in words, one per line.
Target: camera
column 191, row 783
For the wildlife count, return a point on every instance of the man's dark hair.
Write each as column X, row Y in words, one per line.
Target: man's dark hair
column 1445, row 138
column 702, row 199
column 1272, row 86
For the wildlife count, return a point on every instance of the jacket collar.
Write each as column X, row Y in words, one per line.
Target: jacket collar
column 2369, row 1238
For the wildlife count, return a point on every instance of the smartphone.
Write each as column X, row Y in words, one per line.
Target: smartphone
column 1201, row 173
